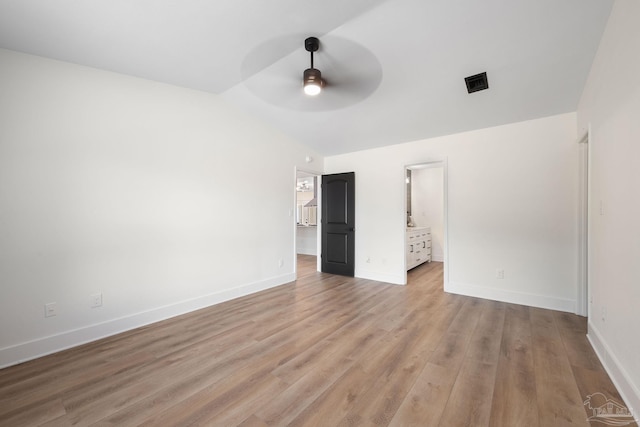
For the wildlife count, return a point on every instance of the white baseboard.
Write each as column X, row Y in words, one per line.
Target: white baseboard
column 532, row 300
column 437, row 258
column 380, row 277
column 23, row 352
column 307, row 251
column 629, row 391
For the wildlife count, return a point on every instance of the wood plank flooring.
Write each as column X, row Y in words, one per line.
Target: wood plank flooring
column 323, row 351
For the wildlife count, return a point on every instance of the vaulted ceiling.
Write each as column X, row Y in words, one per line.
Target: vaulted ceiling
column 394, row 68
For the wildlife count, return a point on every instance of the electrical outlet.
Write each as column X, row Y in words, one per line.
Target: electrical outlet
column 368, row 260
column 604, row 314
column 96, row 300
column 499, row 273
column 50, row 309
column 281, row 263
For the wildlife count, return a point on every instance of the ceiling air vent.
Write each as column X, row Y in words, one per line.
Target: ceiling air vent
column 477, row 82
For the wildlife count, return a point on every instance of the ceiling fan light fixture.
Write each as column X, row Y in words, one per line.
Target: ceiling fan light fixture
column 312, row 81
column 312, row 77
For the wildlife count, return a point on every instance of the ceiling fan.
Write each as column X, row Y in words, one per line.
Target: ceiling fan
column 350, row 72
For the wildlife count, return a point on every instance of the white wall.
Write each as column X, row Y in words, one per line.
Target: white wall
column 611, row 105
column 427, row 198
column 134, row 189
column 512, row 204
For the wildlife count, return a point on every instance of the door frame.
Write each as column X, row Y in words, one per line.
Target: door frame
column 435, row 162
column 583, row 291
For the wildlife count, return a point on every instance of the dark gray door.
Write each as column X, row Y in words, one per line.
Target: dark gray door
column 338, row 223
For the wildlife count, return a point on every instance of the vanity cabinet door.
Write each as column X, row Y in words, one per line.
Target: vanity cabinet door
column 411, row 255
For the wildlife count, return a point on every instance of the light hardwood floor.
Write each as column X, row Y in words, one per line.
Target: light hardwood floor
column 323, row 351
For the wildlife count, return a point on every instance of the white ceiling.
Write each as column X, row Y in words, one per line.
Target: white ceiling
column 395, row 68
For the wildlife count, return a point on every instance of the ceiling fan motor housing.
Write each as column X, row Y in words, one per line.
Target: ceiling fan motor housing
column 312, row 76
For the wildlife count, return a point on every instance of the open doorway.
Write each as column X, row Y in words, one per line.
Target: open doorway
column 306, row 222
column 426, row 215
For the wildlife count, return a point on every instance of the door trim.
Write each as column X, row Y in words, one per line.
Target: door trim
column 583, row 305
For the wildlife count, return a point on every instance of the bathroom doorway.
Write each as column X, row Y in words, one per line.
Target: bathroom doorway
column 307, row 218
column 426, row 207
